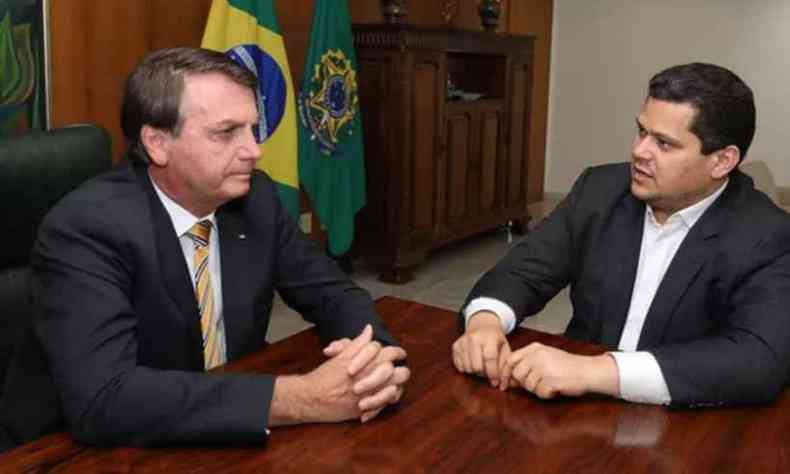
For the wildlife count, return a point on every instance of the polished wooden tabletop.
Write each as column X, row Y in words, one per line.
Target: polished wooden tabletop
column 448, row 422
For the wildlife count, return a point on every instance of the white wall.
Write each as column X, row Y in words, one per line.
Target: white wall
column 605, row 51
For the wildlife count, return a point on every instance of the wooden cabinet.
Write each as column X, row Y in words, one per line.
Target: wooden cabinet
column 446, row 126
column 473, row 137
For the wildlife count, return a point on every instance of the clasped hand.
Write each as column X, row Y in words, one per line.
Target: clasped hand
column 546, row 371
column 361, row 375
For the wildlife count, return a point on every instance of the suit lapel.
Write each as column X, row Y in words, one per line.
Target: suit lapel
column 622, row 258
column 696, row 249
column 684, row 268
column 235, row 254
column 175, row 272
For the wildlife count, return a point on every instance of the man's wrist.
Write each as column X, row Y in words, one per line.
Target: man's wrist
column 483, row 319
column 290, row 401
column 602, row 375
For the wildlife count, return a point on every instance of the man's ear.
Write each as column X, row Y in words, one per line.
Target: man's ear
column 726, row 160
column 156, row 143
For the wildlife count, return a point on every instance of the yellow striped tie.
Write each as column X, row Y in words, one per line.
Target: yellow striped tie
column 209, row 322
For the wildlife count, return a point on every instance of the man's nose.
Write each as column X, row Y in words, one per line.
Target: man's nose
column 250, row 149
column 641, row 147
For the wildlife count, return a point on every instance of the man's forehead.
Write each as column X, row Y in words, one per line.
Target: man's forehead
column 217, row 95
column 666, row 117
column 213, row 82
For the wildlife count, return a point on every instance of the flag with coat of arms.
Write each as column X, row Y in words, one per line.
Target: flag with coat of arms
column 331, row 156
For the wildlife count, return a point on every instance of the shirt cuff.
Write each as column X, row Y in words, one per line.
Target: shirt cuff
column 641, row 380
column 505, row 313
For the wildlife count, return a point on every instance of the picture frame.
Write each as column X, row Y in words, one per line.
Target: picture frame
column 25, row 102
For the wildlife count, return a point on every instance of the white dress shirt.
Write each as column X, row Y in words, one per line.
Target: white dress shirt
column 183, row 221
column 641, row 379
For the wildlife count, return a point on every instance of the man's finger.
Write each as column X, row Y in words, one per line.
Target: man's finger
column 364, row 357
column 456, row 359
column 532, row 380
column 475, row 357
column 379, row 377
column 358, row 342
column 400, row 376
column 504, row 378
column 490, row 353
column 392, row 354
column 386, row 354
column 369, row 415
column 398, row 395
column 520, row 371
column 459, row 354
column 544, row 390
column 505, row 370
column 378, row 400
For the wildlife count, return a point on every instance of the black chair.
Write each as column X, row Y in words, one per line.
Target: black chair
column 36, row 170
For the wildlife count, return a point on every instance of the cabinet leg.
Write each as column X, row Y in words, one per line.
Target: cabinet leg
column 520, row 225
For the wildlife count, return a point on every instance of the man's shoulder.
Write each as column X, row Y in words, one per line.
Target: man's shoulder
column 611, row 174
column 602, row 185
column 747, row 204
column 111, row 193
column 749, row 225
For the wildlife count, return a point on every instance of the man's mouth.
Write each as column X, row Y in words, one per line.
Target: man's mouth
column 638, row 172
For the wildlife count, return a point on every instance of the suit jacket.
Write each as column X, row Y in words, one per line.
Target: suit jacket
column 120, row 326
column 719, row 324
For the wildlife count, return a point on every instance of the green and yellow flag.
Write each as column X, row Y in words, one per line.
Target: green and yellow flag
column 248, row 32
column 331, row 157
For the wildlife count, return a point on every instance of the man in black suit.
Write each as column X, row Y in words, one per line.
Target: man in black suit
column 119, row 264
column 674, row 261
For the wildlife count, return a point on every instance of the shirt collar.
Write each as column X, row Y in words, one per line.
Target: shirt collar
column 690, row 215
column 182, row 219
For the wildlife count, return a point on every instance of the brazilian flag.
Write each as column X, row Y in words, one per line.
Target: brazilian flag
column 248, row 32
column 331, row 156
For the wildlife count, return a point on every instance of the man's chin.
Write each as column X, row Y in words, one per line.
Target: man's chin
column 639, row 191
column 240, row 188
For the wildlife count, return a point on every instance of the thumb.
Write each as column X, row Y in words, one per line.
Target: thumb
column 351, row 349
column 336, row 347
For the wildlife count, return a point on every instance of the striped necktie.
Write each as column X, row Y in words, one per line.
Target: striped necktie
column 213, row 352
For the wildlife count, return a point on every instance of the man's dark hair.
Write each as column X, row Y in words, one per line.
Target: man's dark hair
column 153, row 91
column 724, row 104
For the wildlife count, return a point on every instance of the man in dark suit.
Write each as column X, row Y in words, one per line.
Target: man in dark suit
column 167, row 267
column 674, row 261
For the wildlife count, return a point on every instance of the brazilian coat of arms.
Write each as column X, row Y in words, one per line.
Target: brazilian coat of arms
column 328, row 107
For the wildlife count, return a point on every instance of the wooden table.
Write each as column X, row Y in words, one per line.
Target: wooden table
column 448, row 422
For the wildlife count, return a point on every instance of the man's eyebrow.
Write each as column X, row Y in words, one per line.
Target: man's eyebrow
column 228, row 123
column 661, row 136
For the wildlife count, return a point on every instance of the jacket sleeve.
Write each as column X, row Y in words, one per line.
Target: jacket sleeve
column 745, row 359
column 539, row 266
column 84, row 270
column 314, row 285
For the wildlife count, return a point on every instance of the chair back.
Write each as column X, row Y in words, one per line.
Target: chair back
column 36, row 170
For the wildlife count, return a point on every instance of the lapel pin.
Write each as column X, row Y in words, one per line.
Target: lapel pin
column 242, row 236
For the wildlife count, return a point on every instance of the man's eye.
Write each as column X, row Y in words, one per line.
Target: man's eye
column 663, row 145
column 641, row 132
column 224, row 134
